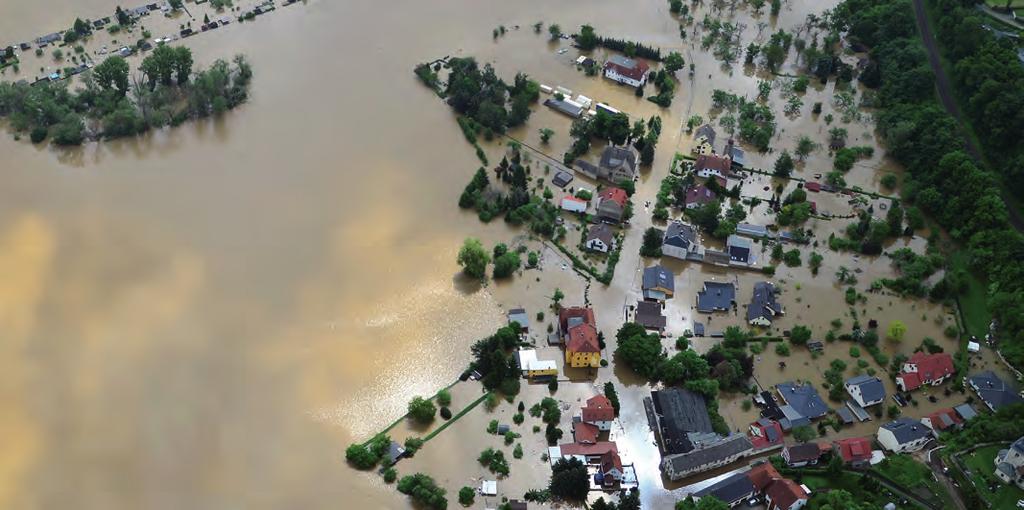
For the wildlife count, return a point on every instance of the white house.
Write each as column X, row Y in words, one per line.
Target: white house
column 680, row 240
column 904, row 435
column 865, row 390
column 626, row 71
column 1010, row 464
column 600, row 238
column 573, row 204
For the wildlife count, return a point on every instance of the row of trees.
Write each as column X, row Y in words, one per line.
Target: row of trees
column 481, row 95
column 942, row 180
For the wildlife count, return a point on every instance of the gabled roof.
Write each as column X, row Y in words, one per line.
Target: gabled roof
column 680, row 234
column 658, row 277
column 731, row 446
column 598, row 448
column 648, row 315
column 732, row 489
column 713, row 162
column 583, row 338
column 771, row 429
column 785, row 492
column 805, row 452
column 906, row 430
column 610, row 461
column 763, row 303
column 944, row 419
column 739, row 247
column 716, row 296
column 993, row 390
column 707, row 132
column 680, row 412
column 762, row 475
column 561, row 179
column 871, row 388
column 584, row 432
column 854, row 449
column 617, row 195
column 601, row 232
column 574, row 315
column 699, row 194
column 804, row 399
column 598, row 408
column 966, row 411
column 628, row 67
column 932, row 366
column 623, row 158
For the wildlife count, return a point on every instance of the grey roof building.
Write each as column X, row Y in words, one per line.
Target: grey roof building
column 740, row 249
column 574, row 111
column 678, row 413
column 658, row 283
column 561, row 179
column 707, row 132
column 715, row 455
column 904, row 435
column 751, row 230
column 763, row 305
column 966, row 411
column 619, row 162
column 791, row 418
column 716, row 297
column 866, row 390
column 732, row 490
column 804, row 399
column 992, row 390
column 648, row 315
column 518, row 315
column 680, row 239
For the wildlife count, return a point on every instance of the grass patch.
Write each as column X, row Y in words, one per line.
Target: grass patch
column 852, row 483
column 455, row 418
column 915, row 477
column 974, row 303
column 1015, row 4
column 980, row 463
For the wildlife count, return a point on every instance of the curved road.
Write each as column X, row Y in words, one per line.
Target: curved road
column 949, row 102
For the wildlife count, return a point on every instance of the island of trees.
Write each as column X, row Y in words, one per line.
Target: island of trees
column 114, row 103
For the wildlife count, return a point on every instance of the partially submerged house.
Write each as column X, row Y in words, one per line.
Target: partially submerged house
column 712, row 165
column 574, row 204
column 658, row 283
column 518, row 316
column 618, row 164
column 763, row 306
column 648, row 315
column 681, row 420
column 533, row 368
column 753, row 231
column 993, row 391
column 923, row 368
column 626, row 71
column 564, row 106
column 561, row 179
column 680, row 241
column 741, row 251
column 698, row 195
column 904, row 435
column 803, row 398
column 600, row 238
column 578, row 331
column 721, row 453
column 942, row 420
column 865, row 389
column 779, row 493
column 611, row 204
column 765, row 432
column 731, row 490
column 716, row 297
column 598, row 412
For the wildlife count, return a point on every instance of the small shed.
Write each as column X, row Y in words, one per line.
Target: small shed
column 561, row 179
column 518, row 316
column 503, row 429
column 489, row 488
column 973, row 347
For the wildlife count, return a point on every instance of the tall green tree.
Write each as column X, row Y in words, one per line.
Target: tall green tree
column 473, row 258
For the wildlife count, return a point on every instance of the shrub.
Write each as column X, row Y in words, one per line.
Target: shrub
column 390, row 475
column 446, row 414
column 466, row 496
column 444, row 398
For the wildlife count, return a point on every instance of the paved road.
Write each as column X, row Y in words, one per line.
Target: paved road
column 932, row 462
column 949, row 102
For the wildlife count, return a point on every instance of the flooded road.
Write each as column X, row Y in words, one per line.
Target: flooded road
column 206, row 316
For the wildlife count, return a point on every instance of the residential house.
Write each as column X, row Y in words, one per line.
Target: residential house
column 48, row 39
column 732, row 490
column 855, row 451
column 648, row 315
column 741, row 250
column 763, row 306
column 923, row 368
column 598, row 412
column 721, row 453
column 992, row 390
column 866, row 390
column 561, row 179
column 658, row 283
column 574, row 204
column 712, row 165
column 395, row 452
column 942, row 420
column 617, row 164
column 1010, row 464
column 735, row 154
column 610, row 470
column 585, row 433
column 966, row 412
column 681, row 419
column 533, row 368
column 698, row 195
column 716, row 297
column 800, row 455
column 765, row 432
column 579, row 334
column 518, row 316
column 785, row 494
column 600, row 238
column 705, row 140
column 564, row 106
column 680, row 240
column 753, row 231
column 626, row 71
column 904, row 435
column 611, row 204
column 804, row 399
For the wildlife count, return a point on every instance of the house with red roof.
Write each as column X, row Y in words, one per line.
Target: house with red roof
column 713, row 165
column 765, row 432
column 785, row 494
column 610, row 472
column 626, row 71
column 855, row 451
column 698, row 195
column 762, row 475
column 942, row 420
column 611, row 204
column 582, row 347
column 923, row 368
column 599, row 412
column 812, row 186
column 585, row 433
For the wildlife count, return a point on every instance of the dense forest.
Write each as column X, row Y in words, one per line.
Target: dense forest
column 113, row 103
column 943, row 180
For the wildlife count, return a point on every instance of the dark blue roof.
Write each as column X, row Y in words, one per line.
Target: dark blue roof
column 716, row 296
column 733, row 488
column 658, row 276
column 993, row 390
column 804, row 399
column 871, row 388
column 906, row 430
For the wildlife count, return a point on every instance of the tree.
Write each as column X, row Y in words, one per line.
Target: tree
column 569, row 480
column 112, row 74
column 704, row 503
column 444, row 398
column 466, row 496
column 784, row 164
column 422, row 410
column 674, row 62
column 473, row 258
column 175, row 4
column 896, row 331
column 804, row 147
column 182, row 64
column 555, row 31
column 652, row 243
column 546, row 134
column 804, row 433
column 506, row 264
column 423, row 489
column 360, row 457
column 815, row 262
column 557, row 296
column 587, row 39
column 639, row 350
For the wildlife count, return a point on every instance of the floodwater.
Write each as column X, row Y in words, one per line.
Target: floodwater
column 205, row 317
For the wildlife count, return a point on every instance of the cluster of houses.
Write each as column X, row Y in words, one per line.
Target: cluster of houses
column 682, row 241
column 721, row 297
column 762, row 480
column 657, row 285
column 591, row 446
column 617, row 164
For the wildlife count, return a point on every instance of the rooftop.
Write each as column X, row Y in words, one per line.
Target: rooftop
column 906, row 430
column 763, row 303
column 598, row 408
column 648, row 315
column 728, row 447
column 680, row 234
column 993, row 390
column 680, row 412
column 804, row 399
column 716, row 296
column 659, row 277
column 871, row 388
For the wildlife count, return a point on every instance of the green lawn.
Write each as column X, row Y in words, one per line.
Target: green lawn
column 917, row 477
column 850, row 482
column 1002, row 3
column 973, row 303
column 980, row 462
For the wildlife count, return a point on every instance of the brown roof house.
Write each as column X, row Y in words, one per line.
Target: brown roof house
column 611, row 204
column 600, row 238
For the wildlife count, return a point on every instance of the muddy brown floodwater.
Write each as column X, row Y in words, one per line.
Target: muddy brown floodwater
column 206, row 316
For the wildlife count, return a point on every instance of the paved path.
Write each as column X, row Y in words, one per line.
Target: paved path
column 949, row 101
column 1005, row 18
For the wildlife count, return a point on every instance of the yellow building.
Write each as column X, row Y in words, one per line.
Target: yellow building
column 582, row 348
